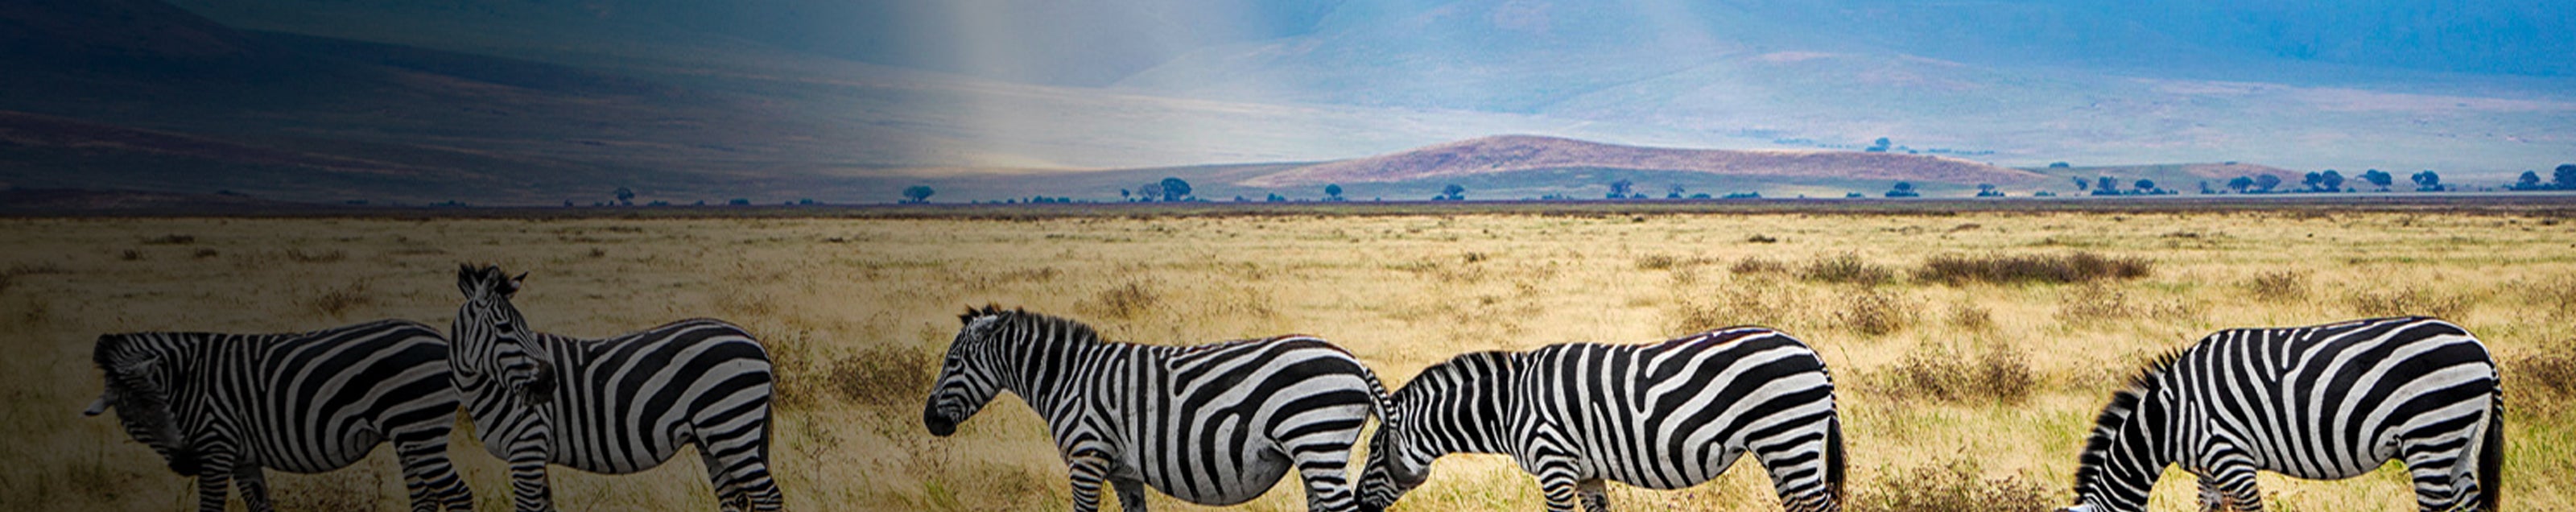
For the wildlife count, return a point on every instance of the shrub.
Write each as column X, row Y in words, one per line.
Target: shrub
column 2279, row 286
column 1971, row 317
column 1758, row 265
column 1655, row 262
column 2407, row 301
column 130, row 255
column 300, row 256
column 1766, row 302
column 2552, row 371
column 1874, row 312
column 2091, row 304
column 1952, row 486
column 881, row 376
column 2081, row 266
column 2555, row 296
column 1846, row 268
column 2000, row 374
column 1761, row 239
column 332, row 302
column 171, row 239
column 1125, row 301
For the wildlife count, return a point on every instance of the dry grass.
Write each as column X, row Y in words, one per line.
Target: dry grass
column 2076, row 267
column 2407, row 300
column 2279, row 286
column 334, row 301
column 2012, row 374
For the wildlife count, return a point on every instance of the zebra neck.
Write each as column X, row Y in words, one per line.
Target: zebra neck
column 2119, row 470
column 1055, row 371
column 1463, row 408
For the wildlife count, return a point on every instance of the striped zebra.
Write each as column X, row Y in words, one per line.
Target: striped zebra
column 1210, row 424
column 1665, row 416
column 222, row 407
column 2321, row 402
column 617, row 405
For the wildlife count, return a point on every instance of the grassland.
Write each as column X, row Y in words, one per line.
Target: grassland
column 1961, row 392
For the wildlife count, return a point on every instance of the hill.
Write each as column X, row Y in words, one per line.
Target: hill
column 1515, row 153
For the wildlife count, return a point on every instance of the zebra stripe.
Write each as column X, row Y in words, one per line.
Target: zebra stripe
column 1665, row 416
column 617, row 405
column 1211, row 424
column 222, row 407
column 2320, row 402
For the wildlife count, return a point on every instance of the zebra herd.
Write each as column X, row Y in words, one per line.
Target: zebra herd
column 1220, row 424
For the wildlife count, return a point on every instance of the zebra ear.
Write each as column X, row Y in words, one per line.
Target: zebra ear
column 967, row 318
column 511, row 287
column 96, row 406
column 465, row 278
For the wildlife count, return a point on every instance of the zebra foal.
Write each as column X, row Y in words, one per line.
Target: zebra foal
column 1665, row 416
column 2320, row 402
column 1210, row 424
column 222, row 407
column 617, row 405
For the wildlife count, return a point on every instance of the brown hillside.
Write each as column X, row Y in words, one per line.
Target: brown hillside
column 1526, row 153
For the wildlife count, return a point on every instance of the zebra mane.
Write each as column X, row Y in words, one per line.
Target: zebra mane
column 2123, row 403
column 1022, row 317
column 115, row 351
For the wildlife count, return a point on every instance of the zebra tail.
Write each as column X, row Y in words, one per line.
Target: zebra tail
column 2491, row 458
column 1386, row 415
column 1834, row 459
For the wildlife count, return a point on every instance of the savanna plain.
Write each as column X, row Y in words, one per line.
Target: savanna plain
column 1971, row 350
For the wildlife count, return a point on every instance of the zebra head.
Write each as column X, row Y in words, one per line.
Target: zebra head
column 969, row 377
column 138, row 387
column 491, row 335
column 1386, row 479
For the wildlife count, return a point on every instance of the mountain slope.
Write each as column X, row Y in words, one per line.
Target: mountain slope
column 1518, row 153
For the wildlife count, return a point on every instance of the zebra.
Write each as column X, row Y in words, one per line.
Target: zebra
column 617, row 405
column 1665, row 415
column 1213, row 424
column 223, row 407
column 2319, row 402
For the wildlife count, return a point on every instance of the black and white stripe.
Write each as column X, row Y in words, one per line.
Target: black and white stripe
column 2321, row 402
column 1210, row 424
column 617, row 405
column 222, row 407
column 1665, row 416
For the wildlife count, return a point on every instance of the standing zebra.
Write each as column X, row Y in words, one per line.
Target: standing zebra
column 1210, row 424
column 224, row 406
column 617, row 405
column 2321, row 402
column 1666, row 416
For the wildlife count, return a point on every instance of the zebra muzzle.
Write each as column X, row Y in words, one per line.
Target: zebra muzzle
column 938, row 426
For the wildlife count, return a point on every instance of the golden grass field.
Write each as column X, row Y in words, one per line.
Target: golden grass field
column 1955, row 396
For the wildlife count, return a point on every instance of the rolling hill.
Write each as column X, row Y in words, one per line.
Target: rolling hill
column 1517, row 153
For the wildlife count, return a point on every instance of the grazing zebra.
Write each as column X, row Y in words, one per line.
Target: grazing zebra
column 617, row 405
column 1210, row 424
column 1666, row 416
column 222, row 407
column 2321, row 402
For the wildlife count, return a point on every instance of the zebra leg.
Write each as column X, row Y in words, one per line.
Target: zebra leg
column 738, row 466
column 2210, row 499
column 728, row 497
column 528, row 487
column 2234, row 481
column 1323, row 461
column 1131, row 494
column 254, row 488
column 1086, row 471
column 1596, row 496
column 212, row 481
column 428, row 474
column 1556, row 480
column 2436, row 473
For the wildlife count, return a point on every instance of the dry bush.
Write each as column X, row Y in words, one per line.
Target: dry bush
column 318, row 256
column 1874, row 312
column 1972, row 317
column 879, row 376
column 2407, row 301
column 334, row 301
column 130, row 255
column 1952, row 486
column 11, row 276
column 2001, row 374
column 1758, row 265
column 2556, row 296
column 2279, row 286
column 1761, row 239
column 2093, row 304
column 205, row 253
column 171, row 239
column 1846, row 268
column 1767, row 302
column 1126, row 301
column 1655, row 262
column 353, row 488
column 2551, row 371
column 2077, row 267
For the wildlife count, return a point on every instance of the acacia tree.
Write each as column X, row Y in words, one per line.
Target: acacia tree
column 2080, row 184
column 1619, row 189
column 2332, row 180
column 1149, row 192
column 625, row 196
column 1174, row 189
column 1453, row 192
column 2241, row 183
column 2427, row 181
column 1333, row 190
column 917, row 194
column 2378, row 179
column 2566, row 176
column 2146, row 186
column 2106, row 187
column 2267, row 182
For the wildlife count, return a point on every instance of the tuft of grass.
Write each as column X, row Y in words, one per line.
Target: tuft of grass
column 1957, row 485
column 1972, row 317
column 317, row 256
column 1766, row 302
column 2000, row 374
column 130, row 255
column 1758, row 265
column 1847, row 268
column 354, row 488
column 335, row 301
column 2077, row 267
column 171, row 239
column 2094, row 304
column 205, row 253
column 2279, row 286
column 1655, row 262
column 2551, row 371
column 1874, row 312
column 2407, row 301
column 1761, row 239
column 2555, row 296
column 1126, row 301
column 880, row 376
